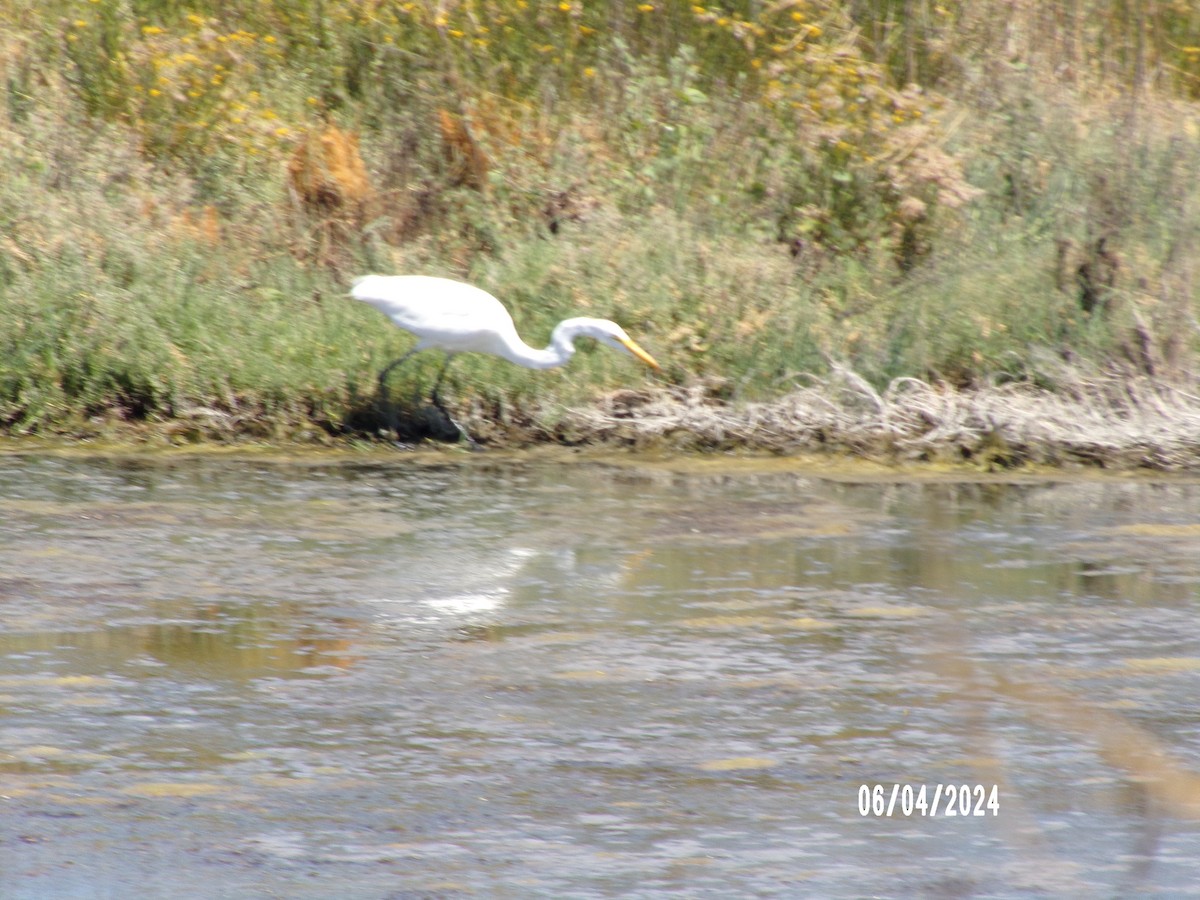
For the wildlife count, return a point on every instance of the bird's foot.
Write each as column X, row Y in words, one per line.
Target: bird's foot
column 465, row 435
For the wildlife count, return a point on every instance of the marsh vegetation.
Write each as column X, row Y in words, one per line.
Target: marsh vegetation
column 948, row 198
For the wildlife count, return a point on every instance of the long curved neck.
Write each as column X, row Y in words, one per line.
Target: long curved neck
column 559, row 351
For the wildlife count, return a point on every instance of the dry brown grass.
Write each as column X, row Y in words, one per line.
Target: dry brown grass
column 466, row 160
column 1113, row 422
column 327, row 172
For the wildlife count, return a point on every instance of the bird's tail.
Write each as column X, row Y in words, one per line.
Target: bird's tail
column 360, row 288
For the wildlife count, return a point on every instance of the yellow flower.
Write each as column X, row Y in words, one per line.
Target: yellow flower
column 589, row 72
column 646, row 7
column 269, row 39
column 195, row 19
column 80, row 23
column 155, row 92
column 564, row 6
column 150, row 30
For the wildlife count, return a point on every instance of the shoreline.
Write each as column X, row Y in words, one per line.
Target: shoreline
column 1118, row 423
column 1123, row 426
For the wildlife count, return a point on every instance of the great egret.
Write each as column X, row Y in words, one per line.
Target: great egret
column 456, row 317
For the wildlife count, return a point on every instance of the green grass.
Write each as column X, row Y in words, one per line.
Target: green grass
column 755, row 196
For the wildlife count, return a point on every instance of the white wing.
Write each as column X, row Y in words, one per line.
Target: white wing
column 441, row 312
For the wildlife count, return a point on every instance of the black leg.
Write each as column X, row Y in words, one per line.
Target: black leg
column 384, row 397
column 435, row 396
column 387, row 370
column 437, row 384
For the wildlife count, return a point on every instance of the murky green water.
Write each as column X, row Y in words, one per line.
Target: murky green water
column 239, row 679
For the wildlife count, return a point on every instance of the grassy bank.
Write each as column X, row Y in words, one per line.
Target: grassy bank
column 972, row 195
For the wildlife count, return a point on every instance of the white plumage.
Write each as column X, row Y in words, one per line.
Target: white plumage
column 457, row 318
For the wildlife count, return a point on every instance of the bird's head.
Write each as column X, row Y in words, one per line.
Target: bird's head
column 609, row 333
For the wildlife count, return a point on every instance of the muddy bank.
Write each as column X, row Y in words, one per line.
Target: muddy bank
column 1122, row 424
column 1119, row 424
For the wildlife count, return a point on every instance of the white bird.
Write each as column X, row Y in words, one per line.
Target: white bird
column 456, row 317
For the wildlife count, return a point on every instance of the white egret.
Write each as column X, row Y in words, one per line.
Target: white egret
column 457, row 318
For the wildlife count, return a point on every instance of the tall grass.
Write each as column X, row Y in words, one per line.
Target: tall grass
column 951, row 191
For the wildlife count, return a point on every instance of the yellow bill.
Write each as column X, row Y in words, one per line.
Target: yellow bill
column 631, row 345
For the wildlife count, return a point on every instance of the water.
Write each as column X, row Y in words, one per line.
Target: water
column 222, row 677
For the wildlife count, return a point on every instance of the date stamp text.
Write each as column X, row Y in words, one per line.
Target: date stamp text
column 946, row 800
